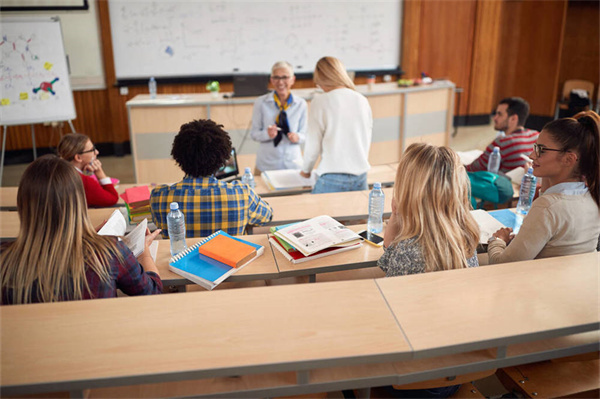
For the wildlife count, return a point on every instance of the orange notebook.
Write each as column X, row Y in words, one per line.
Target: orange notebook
column 227, row 250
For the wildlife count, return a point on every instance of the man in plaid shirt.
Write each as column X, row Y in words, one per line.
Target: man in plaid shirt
column 200, row 148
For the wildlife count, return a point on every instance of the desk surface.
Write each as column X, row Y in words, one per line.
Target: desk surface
column 220, row 333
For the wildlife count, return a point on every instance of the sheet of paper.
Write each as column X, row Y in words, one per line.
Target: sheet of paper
column 115, row 225
column 516, row 175
column 467, row 157
column 289, row 178
column 488, row 225
column 154, row 250
column 135, row 239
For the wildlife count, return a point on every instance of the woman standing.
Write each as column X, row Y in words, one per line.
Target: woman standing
column 279, row 123
column 58, row 256
column 79, row 150
column 340, row 127
column 565, row 219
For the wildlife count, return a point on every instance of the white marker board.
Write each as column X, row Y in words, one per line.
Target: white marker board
column 34, row 77
column 165, row 38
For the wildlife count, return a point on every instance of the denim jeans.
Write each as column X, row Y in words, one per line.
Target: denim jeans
column 337, row 182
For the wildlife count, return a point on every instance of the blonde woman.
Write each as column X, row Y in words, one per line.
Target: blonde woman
column 79, row 150
column 279, row 122
column 340, row 126
column 57, row 255
column 431, row 228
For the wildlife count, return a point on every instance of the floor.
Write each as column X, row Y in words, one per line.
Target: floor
column 467, row 138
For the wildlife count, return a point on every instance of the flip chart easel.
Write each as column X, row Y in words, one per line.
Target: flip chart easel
column 34, row 76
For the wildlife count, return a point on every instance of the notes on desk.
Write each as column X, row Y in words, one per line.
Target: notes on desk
column 287, row 179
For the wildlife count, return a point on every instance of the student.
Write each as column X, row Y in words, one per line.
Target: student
column 58, row 256
column 79, row 150
column 430, row 228
column 279, row 123
column 565, row 219
column 340, row 127
column 200, row 148
column 515, row 140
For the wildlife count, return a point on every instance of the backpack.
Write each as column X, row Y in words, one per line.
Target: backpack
column 490, row 187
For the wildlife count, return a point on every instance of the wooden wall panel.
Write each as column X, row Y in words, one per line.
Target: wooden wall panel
column 411, row 28
column 485, row 58
column 581, row 46
column 530, row 52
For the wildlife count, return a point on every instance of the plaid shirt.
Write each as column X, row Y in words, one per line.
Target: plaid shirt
column 127, row 275
column 208, row 205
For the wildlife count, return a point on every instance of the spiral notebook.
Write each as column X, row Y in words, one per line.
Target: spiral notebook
column 206, row 271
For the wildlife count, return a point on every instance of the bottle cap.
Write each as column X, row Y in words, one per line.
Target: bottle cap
column 152, row 78
column 248, row 170
column 496, row 149
column 174, row 206
column 377, row 185
column 530, row 171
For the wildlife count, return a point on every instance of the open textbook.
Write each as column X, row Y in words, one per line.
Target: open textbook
column 135, row 240
column 318, row 233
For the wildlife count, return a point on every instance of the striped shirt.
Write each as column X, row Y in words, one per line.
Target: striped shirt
column 208, row 205
column 511, row 147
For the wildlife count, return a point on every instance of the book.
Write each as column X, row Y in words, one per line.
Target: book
column 117, row 226
column 488, row 225
column 298, row 257
column 136, row 196
column 227, row 250
column 318, row 233
column 287, row 179
column 284, row 243
column 205, row 271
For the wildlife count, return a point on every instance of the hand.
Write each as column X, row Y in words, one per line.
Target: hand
column 148, row 240
column 305, row 175
column 272, row 131
column 504, row 234
column 293, row 137
column 96, row 168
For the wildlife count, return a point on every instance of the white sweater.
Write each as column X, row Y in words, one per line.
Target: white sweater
column 340, row 126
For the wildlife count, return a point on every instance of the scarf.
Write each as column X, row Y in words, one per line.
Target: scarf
column 281, row 121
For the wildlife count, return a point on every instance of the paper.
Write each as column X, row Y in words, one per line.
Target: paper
column 286, row 179
column 467, row 157
column 488, row 225
column 516, row 175
column 116, row 226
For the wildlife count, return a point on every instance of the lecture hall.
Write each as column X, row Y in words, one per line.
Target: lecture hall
column 300, row 199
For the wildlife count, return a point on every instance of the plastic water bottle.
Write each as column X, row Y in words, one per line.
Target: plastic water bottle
column 526, row 193
column 248, row 178
column 152, row 87
column 176, row 226
column 494, row 161
column 376, row 203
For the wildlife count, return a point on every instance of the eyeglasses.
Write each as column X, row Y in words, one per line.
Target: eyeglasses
column 280, row 77
column 540, row 149
column 92, row 150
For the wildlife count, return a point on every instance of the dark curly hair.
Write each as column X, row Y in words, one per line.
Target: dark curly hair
column 201, row 147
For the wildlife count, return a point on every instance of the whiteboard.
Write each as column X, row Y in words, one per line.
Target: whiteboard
column 34, row 78
column 166, row 38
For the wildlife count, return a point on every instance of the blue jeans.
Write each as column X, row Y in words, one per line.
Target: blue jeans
column 337, row 182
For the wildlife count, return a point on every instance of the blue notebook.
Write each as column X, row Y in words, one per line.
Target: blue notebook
column 203, row 270
column 508, row 218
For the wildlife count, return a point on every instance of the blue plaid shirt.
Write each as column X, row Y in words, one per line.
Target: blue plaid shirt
column 208, row 205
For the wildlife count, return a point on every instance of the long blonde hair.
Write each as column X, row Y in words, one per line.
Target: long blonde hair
column 330, row 72
column 432, row 193
column 56, row 241
column 70, row 145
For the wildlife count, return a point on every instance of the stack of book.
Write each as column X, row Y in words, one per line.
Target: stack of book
column 137, row 201
column 313, row 238
column 213, row 259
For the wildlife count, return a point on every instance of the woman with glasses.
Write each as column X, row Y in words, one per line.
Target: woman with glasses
column 79, row 150
column 339, row 131
column 279, row 123
column 565, row 219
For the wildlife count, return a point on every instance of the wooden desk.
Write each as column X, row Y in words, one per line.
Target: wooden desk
column 333, row 335
column 10, row 225
column 401, row 116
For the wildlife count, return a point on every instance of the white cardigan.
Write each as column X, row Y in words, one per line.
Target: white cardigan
column 340, row 127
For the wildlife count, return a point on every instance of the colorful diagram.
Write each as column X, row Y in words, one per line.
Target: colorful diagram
column 46, row 86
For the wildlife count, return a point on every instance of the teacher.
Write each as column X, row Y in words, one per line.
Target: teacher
column 339, row 130
column 279, row 123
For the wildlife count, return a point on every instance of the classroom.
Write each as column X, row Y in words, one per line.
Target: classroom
column 486, row 279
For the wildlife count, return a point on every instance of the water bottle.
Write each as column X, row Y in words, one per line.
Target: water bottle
column 176, row 226
column 526, row 193
column 152, row 87
column 376, row 203
column 248, row 178
column 494, row 161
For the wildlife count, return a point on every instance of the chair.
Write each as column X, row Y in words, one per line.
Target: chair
column 572, row 84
